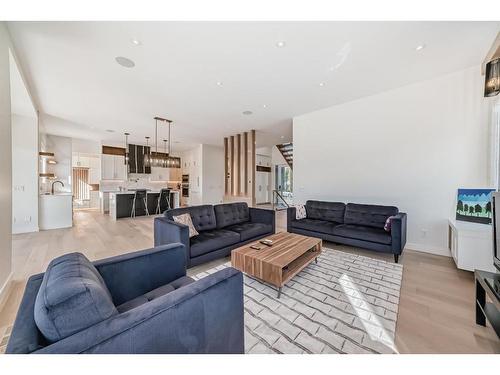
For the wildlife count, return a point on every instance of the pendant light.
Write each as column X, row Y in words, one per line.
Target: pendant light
column 147, row 154
column 492, row 80
column 164, row 159
column 126, row 159
column 155, row 160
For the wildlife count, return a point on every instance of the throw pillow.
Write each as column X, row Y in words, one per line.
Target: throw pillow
column 186, row 220
column 300, row 211
column 388, row 223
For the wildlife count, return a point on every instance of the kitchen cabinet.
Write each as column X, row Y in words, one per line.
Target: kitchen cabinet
column 95, row 170
column 80, row 161
column 136, row 159
column 113, row 167
column 263, row 160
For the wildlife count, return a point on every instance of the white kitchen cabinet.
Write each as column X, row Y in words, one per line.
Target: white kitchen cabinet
column 95, row 170
column 80, row 161
column 120, row 168
column 113, row 167
column 263, row 160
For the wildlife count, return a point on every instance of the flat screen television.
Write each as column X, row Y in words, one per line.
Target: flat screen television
column 495, row 203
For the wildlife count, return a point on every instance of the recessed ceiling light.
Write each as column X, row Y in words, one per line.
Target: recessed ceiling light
column 282, row 137
column 219, row 83
column 110, row 130
column 136, row 42
column 264, row 106
column 321, row 84
column 123, row 61
column 247, row 113
column 420, row 47
column 280, row 44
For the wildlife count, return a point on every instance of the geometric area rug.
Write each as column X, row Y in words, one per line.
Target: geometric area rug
column 344, row 304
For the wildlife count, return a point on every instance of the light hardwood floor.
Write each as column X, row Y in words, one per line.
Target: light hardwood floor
column 436, row 310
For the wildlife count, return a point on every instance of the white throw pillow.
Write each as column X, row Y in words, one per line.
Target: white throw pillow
column 186, row 220
column 300, row 211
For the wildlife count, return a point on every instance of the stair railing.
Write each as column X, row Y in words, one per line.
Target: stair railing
column 277, row 199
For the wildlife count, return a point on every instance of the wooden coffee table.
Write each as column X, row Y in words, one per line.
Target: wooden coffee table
column 277, row 264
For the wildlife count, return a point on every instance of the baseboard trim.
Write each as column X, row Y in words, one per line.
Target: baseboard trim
column 5, row 291
column 428, row 249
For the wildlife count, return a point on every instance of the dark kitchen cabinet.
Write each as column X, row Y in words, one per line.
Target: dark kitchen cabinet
column 136, row 159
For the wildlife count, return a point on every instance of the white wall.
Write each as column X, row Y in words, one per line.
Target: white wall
column 411, row 147
column 24, row 174
column 5, row 163
column 85, row 146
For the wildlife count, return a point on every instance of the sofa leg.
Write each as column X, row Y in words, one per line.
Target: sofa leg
column 396, row 258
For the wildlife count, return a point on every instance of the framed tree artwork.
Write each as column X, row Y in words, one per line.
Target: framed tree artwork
column 474, row 205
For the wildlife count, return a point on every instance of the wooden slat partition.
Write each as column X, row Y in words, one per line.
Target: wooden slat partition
column 245, row 162
column 226, row 168
column 81, row 187
column 239, row 170
column 231, row 172
column 253, row 162
column 238, row 164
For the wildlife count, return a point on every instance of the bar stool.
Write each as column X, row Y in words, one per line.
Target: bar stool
column 164, row 196
column 140, row 195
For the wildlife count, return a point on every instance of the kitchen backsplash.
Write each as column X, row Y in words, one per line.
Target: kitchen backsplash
column 135, row 181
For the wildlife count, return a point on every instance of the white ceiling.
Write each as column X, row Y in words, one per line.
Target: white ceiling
column 82, row 90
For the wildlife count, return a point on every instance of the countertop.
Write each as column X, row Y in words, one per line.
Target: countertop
column 57, row 195
column 133, row 192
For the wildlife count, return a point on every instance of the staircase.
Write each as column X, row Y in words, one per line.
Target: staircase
column 286, row 150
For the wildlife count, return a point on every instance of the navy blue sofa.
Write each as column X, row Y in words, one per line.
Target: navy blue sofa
column 360, row 225
column 221, row 228
column 141, row 302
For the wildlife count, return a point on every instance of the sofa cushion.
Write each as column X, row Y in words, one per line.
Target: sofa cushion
column 251, row 230
column 329, row 211
column 231, row 213
column 321, row 226
column 363, row 233
column 155, row 293
column 71, row 298
column 186, row 220
column 368, row 214
column 203, row 217
column 211, row 240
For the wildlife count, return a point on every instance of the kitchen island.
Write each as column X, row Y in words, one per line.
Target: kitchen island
column 55, row 211
column 120, row 203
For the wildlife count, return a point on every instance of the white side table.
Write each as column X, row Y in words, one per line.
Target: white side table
column 471, row 245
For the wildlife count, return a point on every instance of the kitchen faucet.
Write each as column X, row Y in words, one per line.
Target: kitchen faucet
column 52, row 189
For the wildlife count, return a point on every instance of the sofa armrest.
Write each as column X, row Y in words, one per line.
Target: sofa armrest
column 290, row 216
column 168, row 231
column 264, row 216
column 131, row 275
column 398, row 233
column 203, row 317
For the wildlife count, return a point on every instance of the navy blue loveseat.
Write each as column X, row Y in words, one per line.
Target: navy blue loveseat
column 360, row 225
column 221, row 228
column 141, row 302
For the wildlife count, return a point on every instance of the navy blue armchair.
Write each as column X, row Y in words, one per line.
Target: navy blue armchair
column 141, row 302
